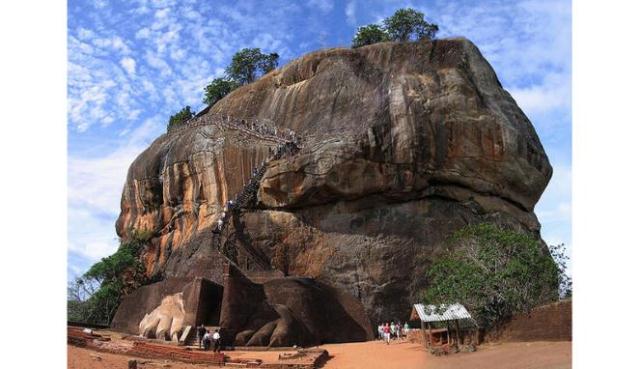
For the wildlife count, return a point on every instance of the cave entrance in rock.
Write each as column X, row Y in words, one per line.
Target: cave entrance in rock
column 209, row 303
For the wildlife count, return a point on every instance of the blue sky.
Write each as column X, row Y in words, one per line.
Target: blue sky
column 133, row 63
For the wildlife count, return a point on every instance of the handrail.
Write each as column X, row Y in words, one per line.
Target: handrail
column 245, row 197
column 262, row 128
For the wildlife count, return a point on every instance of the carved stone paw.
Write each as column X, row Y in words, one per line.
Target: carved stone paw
column 166, row 321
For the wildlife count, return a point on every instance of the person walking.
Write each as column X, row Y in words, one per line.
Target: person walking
column 200, row 331
column 406, row 329
column 381, row 331
column 398, row 330
column 206, row 341
column 217, row 344
column 387, row 333
column 393, row 329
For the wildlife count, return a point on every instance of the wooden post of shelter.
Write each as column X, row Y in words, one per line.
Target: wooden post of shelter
column 430, row 336
column 424, row 334
column 457, row 332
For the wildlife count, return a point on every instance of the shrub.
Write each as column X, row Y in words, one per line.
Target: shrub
column 369, row 34
column 494, row 272
column 94, row 297
column 407, row 24
column 217, row 89
column 180, row 117
column 246, row 62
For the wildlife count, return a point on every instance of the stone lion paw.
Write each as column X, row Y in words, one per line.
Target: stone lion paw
column 166, row 321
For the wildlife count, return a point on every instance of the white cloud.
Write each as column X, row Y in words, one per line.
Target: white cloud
column 350, row 12
column 143, row 33
column 116, row 43
column 99, row 4
column 554, row 210
column 157, row 62
column 129, row 64
column 95, row 186
column 554, row 92
column 85, row 34
column 324, row 6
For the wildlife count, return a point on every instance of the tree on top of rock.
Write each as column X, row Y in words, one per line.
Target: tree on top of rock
column 217, row 89
column 269, row 62
column 246, row 63
column 180, row 117
column 409, row 24
column 368, row 35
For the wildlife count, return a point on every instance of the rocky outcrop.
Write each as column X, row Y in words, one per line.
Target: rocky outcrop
column 403, row 143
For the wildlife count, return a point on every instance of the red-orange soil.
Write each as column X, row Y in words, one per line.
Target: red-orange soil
column 405, row 355
column 372, row 355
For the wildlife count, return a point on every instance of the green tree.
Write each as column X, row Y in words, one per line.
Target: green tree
column 246, row 63
column 407, row 24
column 217, row 89
column 269, row 62
column 180, row 117
column 494, row 272
column 369, row 34
column 94, row 297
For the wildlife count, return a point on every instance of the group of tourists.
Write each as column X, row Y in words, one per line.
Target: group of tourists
column 261, row 127
column 388, row 331
column 284, row 150
column 207, row 340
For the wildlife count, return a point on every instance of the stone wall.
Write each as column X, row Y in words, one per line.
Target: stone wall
column 146, row 298
column 552, row 322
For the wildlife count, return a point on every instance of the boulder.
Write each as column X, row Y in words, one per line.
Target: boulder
column 401, row 145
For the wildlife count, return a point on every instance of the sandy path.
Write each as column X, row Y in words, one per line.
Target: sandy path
column 79, row 358
column 374, row 355
column 404, row 355
column 517, row 355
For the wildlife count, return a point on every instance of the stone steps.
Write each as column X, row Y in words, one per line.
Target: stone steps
column 192, row 339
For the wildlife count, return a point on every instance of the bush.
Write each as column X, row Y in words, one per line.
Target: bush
column 368, row 35
column 246, row 62
column 217, row 89
column 94, row 297
column 180, row 117
column 494, row 272
column 407, row 24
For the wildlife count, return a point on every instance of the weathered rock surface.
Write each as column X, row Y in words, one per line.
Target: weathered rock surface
column 404, row 143
column 290, row 311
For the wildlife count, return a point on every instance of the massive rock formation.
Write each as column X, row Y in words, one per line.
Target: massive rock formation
column 403, row 143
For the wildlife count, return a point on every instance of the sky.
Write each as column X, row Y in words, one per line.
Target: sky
column 131, row 64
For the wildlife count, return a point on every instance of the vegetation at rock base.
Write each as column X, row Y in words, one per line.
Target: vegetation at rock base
column 404, row 25
column 409, row 24
column 496, row 273
column 246, row 63
column 95, row 296
column 180, row 117
column 368, row 35
column 217, row 89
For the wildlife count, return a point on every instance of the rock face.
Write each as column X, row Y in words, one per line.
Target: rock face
column 290, row 311
column 403, row 144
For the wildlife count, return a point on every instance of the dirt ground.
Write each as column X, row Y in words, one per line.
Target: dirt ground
column 405, row 355
column 373, row 355
column 80, row 358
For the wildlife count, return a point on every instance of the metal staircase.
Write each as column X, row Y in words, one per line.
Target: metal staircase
column 246, row 199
